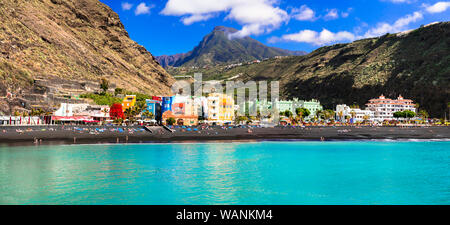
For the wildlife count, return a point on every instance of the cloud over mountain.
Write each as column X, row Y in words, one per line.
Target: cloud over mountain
column 255, row 16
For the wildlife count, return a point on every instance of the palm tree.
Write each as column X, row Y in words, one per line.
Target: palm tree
column 448, row 106
column 423, row 114
column 353, row 113
column 105, row 111
column 319, row 114
column 366, row 118
column 341, row 115
column 148, row 114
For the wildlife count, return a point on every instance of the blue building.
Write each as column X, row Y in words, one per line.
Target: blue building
column 153, row 106
column 166, row 104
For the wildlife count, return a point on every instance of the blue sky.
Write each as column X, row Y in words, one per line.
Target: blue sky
column 167, row 27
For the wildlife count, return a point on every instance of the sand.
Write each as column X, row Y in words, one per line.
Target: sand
column 136, row 134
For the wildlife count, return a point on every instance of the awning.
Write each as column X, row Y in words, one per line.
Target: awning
column 72, row 118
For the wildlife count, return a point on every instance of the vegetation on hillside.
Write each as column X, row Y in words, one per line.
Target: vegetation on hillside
column 415, row 65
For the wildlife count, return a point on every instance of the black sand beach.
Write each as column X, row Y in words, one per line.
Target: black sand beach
column 113, row 134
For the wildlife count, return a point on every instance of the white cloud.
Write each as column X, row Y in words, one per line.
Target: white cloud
column 327, row 37
column 195, row 18
column 303, row 13
column 316, row 38
column 143, row 9
column 332, row 14
column 347, row 13
column 256, row 16
column 399, row 25
column 126, row 6
column 438, row 7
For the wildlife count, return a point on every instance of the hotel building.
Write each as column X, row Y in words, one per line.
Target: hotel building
column 384, row 108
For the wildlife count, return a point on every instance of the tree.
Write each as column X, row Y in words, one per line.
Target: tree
column 288, row 113
column 170, row 121
column 148, row 114
column 105, row 111
column 132, row 112
column 239, row 119
column 302, row 113
column 341, row 115
column 116, row 111
column 399, row 114
column 320, row 114
column 329, row 114
column 104, row 85
column 37, row 112
column 366, row 118
column 423, row 114
column 409, row 114
column 118, row 91
column 353, row 113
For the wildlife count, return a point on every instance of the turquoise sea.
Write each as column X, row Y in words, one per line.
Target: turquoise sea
column 228, row 173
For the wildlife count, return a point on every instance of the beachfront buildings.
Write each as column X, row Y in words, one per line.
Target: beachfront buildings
column 166, row 104
column 353, row 115
column 80, row 113
column 128, row 102
column 220, row 108
column 384, row 108
column 21, row 120
column 153, row 106
column 290, row 105
column 313, row 106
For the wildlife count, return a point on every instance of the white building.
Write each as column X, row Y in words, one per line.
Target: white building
column 70, row 109
column 213, row 108
column 384, row 108
column 357, row 115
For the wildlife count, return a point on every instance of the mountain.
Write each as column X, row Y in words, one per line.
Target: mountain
column 218, row 48
column 414, row 64
column 52, row 48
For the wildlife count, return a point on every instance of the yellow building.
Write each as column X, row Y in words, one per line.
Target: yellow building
column 128, row 102
column 221, row 108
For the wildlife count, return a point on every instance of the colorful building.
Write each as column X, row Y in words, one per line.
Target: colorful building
column 181, row 120
column 154, row 107
column 384, row 108
column 220, row 108
column 128, row 102
column 166, row 104
column 183, row 109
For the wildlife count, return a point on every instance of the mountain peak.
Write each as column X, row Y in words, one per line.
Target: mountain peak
column 224, row 29
column 217, row 48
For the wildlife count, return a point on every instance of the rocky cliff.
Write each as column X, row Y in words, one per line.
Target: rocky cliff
column 46, row 44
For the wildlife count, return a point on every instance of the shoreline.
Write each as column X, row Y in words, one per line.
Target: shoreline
column 63, row 135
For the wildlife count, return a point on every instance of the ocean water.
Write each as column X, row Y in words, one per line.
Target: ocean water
column 228, row 173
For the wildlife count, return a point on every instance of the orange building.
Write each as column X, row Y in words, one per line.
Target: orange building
column 128, row 102
column 180, row 119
